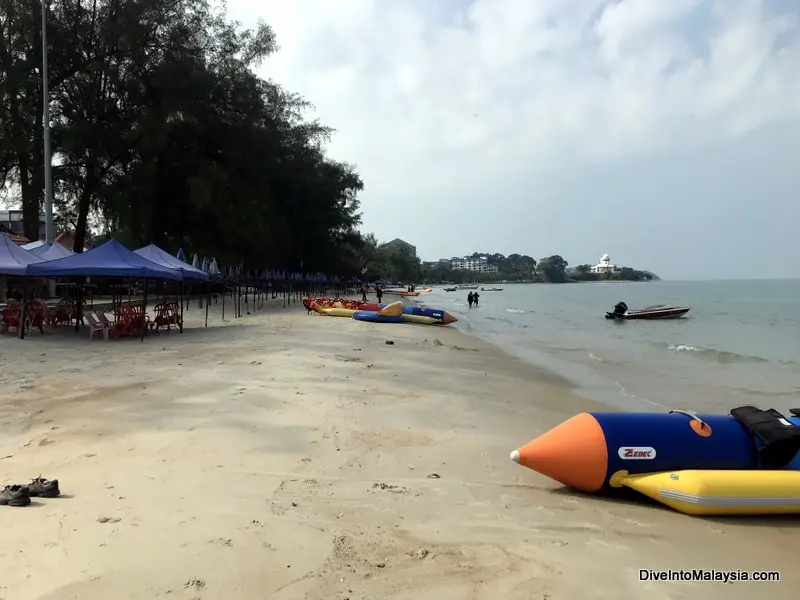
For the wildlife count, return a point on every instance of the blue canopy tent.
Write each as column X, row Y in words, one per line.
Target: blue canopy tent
column 38, row 249
column 15, row 260
column 165, row 259
column 52, row 251
column 111, row 259
column 34, row 245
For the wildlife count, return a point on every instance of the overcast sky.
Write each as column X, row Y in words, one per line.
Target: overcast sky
column 664, row 132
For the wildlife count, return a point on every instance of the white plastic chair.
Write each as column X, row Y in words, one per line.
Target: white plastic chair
column 96, row 325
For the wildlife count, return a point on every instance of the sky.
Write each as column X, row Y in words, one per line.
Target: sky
column 662, row 132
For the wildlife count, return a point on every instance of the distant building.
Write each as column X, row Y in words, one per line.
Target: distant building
column 11, row 222
column 478, row 264
column 605, row 265
column 398, row 244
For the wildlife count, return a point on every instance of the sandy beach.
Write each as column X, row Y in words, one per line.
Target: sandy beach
column 285, row 456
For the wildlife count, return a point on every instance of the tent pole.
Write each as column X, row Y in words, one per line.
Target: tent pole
column 180, row 324
column 208, row 300
column 23, row 311
column 78, row 307
column 144, row 308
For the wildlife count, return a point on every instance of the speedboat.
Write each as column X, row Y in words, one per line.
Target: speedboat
column 483, row 289
column 450, row 289
column 468, row 287
column 621, row 312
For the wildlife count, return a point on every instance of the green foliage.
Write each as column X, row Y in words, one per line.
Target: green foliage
column 553, row 269
column 392, row 263
column 164, row 134
column 515, row 267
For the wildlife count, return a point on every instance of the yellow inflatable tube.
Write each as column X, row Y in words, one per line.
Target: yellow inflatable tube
column 395, row 309
column 719, row 492
column 333, row 311
column 420, row 320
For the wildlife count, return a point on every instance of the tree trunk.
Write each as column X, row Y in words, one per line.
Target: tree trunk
column 32, row 202
column 84, row 202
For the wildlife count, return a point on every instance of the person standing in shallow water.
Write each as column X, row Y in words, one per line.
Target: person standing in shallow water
column 475, row 297
column 470, row 299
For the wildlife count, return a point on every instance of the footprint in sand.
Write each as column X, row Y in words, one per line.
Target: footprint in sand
column 608, row 546
column 637, row 523
column 289, row 491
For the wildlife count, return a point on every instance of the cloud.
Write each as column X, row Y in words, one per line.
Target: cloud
column 452, row 110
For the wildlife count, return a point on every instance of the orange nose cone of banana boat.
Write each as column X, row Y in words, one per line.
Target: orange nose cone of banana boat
column 573, row 453
column 447, row 318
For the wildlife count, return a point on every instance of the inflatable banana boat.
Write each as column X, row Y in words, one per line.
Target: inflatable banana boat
column 391, row 313
column 415, row 314
column 747, row 462
column 403, row 293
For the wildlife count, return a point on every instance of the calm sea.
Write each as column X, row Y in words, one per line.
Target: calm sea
column 740, row 344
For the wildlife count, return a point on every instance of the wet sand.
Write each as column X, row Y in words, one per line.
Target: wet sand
column 288, row 457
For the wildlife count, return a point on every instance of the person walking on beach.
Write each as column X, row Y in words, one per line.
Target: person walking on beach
column 475, row 297
column 364, row 293
column 378, row 293
column 470, row 299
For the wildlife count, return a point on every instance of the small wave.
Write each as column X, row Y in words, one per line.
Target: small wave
column 516, row 311
column 506, row 321
column 718, row 355
column 595, row 358
column 623, row 391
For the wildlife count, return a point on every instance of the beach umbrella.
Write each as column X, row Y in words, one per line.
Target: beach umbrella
column 204, row 265
column 180, row 255
column 196, row 261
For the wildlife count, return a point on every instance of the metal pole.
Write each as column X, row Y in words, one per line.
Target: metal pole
column 48, row 176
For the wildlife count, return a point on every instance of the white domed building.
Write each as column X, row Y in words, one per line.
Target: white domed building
column 605, row 265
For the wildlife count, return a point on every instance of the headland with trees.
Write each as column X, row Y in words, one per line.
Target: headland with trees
column 397, row 264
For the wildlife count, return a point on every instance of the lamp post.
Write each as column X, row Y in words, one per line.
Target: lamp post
column 48, row 166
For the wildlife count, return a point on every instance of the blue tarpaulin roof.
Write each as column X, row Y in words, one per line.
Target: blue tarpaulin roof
column 13, row 259
column 35, row 245
column 112, row 259
column 52, row 251
column 37, row 250
column 161, row 257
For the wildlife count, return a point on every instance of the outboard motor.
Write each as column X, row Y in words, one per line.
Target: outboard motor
column 620, row 308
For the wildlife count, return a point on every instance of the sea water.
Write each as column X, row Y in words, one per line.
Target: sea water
column 739, row 344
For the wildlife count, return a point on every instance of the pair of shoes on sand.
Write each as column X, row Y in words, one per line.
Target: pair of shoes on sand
column 20, row 495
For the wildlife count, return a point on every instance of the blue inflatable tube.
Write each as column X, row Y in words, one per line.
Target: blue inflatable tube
column 374, row 317
column 435, row 313
column 587, row 450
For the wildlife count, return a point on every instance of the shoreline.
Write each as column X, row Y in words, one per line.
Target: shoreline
column 575, row 377
column 290, row 456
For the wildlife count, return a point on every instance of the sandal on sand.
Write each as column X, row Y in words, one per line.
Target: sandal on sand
column 15, row 495
column 44, row 488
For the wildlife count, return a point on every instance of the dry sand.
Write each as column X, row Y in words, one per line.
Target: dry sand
column 284, row 456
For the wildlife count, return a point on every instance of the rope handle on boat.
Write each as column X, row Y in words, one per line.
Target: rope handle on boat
column 692, row 415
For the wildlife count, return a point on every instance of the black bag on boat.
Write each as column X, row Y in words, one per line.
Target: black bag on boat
column 780, row 439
